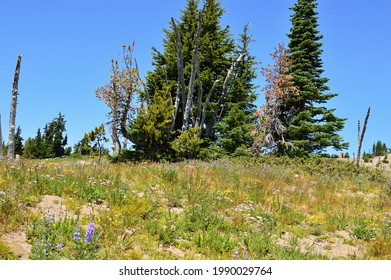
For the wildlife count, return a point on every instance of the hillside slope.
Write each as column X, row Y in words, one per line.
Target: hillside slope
column 255, row 208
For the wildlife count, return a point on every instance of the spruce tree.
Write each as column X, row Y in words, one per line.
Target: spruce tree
column 314, row 127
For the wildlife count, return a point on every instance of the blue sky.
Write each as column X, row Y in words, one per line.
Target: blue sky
column 67, row 47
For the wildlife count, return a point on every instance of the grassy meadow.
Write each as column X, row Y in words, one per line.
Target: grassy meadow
column 241, row 208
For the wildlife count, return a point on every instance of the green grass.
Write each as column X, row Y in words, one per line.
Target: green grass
column 226, row 209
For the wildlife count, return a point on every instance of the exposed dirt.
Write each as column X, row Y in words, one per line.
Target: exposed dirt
column 333, row 245
column 377, row 162
column 49, row 205
column 53, row 205
column 17, row 241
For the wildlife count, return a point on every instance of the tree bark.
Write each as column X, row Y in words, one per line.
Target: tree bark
column 145, row 87
column 361, row 137
column 14, row 102
column 206, row 104
column 194, row 66
column 114, row 137
column 115, row 121
column 199, row 99
column 181, row 73
column 223, row 96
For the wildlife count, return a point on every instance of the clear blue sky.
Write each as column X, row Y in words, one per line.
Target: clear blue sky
column 67, row 47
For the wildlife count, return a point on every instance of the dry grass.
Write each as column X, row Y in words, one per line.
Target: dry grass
column 265, row 208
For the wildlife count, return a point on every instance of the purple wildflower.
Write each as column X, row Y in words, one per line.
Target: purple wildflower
column 76, row 235
column 2, row 192
column 235, row 255
column 59, row 246
column 89, row 233
column 49, row 219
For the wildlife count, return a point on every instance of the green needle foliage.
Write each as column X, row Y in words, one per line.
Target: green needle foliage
column 51, row 143
column 314, row 126
column 221, row 108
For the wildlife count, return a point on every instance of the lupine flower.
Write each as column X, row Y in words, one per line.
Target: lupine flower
column 76, row 235
column 49, row 219
column 89, row 233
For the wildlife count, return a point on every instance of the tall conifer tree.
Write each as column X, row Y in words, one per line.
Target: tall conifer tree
column 215, row 74
column 314, row 127
column 233, row 131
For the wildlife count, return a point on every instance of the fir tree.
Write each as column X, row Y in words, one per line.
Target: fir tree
column 53, row 137
column 233, row 132
column 152, row 126
column 49, row 144
column 35, row 147
column 18, row 142
column 201, row 67
column 201, row 81
column 216, row 47
column 314, row 127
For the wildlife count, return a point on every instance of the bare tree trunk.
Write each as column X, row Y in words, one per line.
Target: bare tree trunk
column 116, row 142
column 361, row 137
column 114, row 122
column 181, row 73
column 223, row 96
column 194, row 66
column 176, row 105
column 199, row 99
column 142, row 82
column 14, row 102
column 206, row 105
column 1, row 141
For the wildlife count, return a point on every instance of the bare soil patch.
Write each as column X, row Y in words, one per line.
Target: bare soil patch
column 333, row 245
column 50, row 205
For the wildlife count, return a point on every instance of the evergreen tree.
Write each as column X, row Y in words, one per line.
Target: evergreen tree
column 314, row 127
column 152, row 127
column 216, row 47
column 201, row 81
column 83, row 147
column 233, row 132
column 379, row 148
column 201, row 67
column 51, row 143
column 35, row 147
column 54, row 139
column 95, row 139
column 18, row 142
